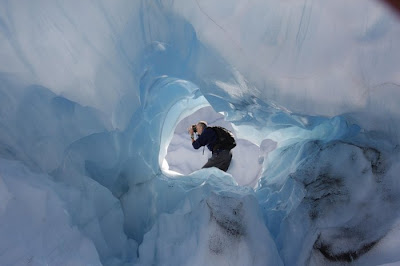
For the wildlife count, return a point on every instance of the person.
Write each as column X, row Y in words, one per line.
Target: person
column 221, row 158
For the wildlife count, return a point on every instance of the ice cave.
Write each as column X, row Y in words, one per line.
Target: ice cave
column 97, row 167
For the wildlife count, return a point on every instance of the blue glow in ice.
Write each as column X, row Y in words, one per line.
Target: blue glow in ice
column 92, row 94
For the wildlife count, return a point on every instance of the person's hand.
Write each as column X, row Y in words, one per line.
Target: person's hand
column 190, row 131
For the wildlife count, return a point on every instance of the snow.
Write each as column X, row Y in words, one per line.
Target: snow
column 97, row 168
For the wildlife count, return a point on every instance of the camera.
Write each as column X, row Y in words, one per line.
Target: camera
column 194, row 128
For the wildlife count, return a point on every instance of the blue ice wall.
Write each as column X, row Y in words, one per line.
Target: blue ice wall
column 90, row 95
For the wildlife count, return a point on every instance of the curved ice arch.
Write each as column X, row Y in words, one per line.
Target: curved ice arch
column 109, row 157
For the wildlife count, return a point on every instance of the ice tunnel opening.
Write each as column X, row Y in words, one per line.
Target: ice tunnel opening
column 245, row 167
column 179, row 158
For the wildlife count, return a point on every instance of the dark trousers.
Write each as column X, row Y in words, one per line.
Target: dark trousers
column 221, row 160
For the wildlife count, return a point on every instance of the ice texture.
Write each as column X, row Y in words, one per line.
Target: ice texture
column 97, row 168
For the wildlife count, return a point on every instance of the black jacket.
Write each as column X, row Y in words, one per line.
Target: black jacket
column 208, row 137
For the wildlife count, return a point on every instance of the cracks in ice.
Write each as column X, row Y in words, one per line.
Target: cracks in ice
column 325, row 189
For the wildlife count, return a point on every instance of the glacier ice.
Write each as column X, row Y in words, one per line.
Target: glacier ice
column 96, row 167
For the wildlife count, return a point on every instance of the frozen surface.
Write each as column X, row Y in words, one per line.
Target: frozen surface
column 35, row 227
column 96, row 167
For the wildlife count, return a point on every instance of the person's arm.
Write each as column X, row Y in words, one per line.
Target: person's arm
column 202, row 140
column 191, row 133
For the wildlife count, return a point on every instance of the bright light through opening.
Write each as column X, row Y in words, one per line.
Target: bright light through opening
column 247, row 158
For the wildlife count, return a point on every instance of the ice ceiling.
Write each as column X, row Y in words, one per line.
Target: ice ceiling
column 91, row 96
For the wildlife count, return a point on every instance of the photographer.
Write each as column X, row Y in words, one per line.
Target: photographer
column 221, row 158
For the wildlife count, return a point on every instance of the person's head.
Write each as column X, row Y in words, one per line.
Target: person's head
column 200, row 127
